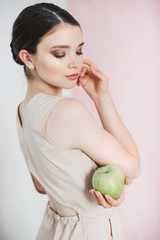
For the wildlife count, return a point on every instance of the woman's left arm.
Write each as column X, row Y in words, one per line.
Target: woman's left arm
column 95, row 83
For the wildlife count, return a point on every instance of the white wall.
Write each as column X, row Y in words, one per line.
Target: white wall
column 21, row 207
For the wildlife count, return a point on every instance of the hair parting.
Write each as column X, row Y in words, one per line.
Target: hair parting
column 32, row 24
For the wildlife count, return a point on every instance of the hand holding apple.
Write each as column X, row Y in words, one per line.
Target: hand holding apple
column 107, row 201
column 109, row 180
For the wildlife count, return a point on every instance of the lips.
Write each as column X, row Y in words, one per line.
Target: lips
column 73, row 76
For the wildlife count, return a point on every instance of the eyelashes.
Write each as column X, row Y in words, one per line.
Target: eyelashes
column 63, row 55
column 80, row 53
column 59, row 56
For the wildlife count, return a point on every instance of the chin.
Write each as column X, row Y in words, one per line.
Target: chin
column 71, row 85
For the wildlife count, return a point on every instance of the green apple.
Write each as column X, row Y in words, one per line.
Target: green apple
column 109, row 180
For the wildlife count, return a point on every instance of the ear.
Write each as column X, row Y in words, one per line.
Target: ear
column 26, row 58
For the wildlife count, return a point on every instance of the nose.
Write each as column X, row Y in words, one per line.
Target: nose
column 74, row 62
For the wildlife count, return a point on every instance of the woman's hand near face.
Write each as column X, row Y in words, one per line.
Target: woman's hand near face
column 93, row 81
column 109, row 202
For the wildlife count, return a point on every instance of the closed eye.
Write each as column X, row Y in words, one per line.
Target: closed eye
column 79, row 53
column 59, row 56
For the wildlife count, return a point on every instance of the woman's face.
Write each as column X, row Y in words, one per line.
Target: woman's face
column 59, row 54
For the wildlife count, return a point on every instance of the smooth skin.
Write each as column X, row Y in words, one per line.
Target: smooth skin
column 49, row 76
column 87, row 80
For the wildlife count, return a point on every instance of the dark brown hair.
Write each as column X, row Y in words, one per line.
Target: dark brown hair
column 32, row 24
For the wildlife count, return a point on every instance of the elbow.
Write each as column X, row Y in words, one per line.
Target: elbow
column 135, row 169
column 137, row 172
column 138, row 166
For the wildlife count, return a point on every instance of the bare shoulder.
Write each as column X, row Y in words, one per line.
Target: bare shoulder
column 70, row 107
column 65, row 119
column 69, row 111
column 72, row 126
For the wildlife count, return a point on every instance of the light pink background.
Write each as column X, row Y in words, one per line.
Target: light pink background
column 123, row 38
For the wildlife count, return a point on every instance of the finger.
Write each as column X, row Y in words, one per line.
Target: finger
column 117, row 202
column 90, row 63
column 98, row 74
column 94, row 69
column 78, row 81
column 94, row 196
column 82, row 82
column 102, row 201
column 82, row 79
column 128, row 181
column 84, row 71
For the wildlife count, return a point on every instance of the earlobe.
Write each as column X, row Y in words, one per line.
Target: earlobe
column 25, row 57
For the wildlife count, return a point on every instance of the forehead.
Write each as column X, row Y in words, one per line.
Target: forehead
column 64, row 34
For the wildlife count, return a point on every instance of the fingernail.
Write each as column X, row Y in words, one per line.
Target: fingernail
column 93, row 69
column 91, row 191
column 107, row 197
column 97, row 193
column 128, row 181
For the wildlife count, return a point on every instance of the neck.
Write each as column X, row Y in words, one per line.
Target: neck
column 35, row 87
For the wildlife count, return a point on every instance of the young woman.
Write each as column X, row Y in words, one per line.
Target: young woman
column 61, row 141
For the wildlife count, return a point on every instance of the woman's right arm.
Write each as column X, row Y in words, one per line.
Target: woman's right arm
column 37, row 185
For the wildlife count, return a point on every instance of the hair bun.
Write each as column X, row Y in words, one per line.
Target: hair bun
column 15, row 56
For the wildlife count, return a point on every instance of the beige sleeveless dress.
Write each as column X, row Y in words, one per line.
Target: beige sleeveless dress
column 66, row 177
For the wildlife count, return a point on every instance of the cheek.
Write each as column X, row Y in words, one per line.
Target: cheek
column 81, row 62
column 50, row 67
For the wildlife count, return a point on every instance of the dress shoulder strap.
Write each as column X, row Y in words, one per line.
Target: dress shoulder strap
column 37, row 111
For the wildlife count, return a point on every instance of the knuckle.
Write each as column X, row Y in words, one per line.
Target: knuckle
column 97, row 202
column 116, row 204
column 110, row 201
column 100, row 198
column 102, row 202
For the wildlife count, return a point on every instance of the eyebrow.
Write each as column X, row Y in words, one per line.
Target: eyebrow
column 66, row 46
